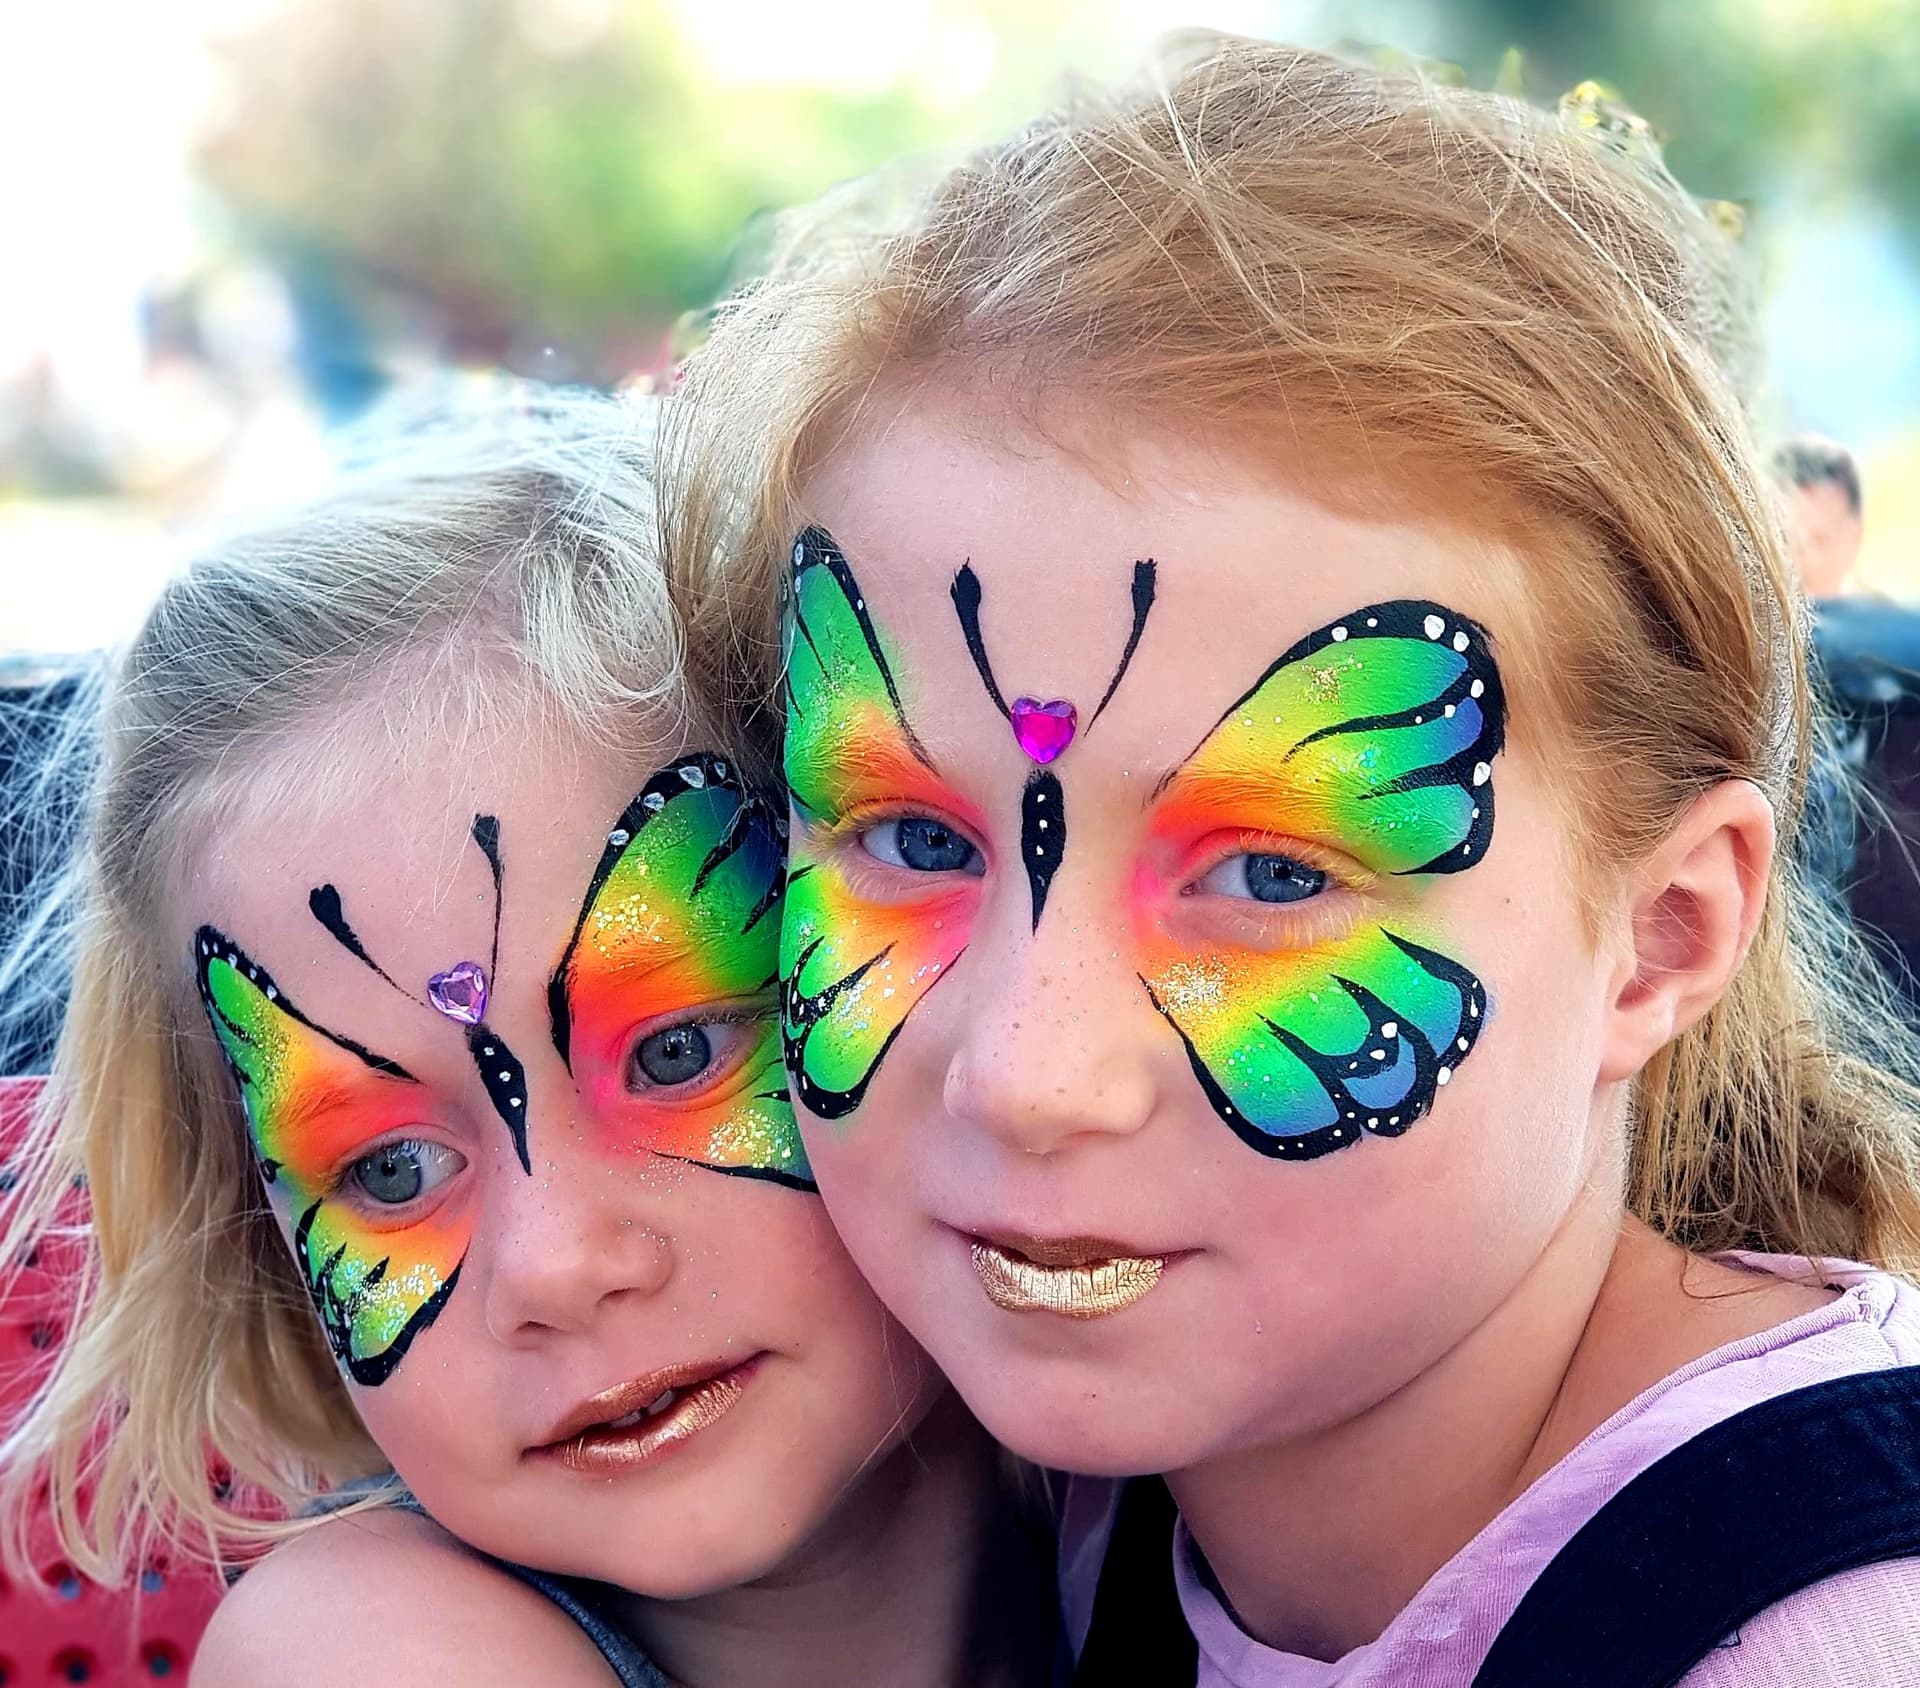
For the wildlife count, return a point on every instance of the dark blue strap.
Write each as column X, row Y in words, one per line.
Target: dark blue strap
column 1771, row 1501
column 588, row 1604
column 584, row 1602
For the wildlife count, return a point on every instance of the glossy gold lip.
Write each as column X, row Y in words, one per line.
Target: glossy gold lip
column 608, row 1452
column 588, row 1442
column 1083, row 1289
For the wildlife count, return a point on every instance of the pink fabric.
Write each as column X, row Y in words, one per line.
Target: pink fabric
column 1852, row 1631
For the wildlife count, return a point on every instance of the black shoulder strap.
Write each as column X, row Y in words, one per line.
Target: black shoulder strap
column 1771, row 1501
column 1138, row 1634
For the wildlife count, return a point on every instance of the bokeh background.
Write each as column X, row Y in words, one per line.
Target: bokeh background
column 226, row 225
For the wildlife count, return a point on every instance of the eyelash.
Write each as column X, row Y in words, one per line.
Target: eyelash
column 341, row 1184
column 841, row 837
column 727, row 1066
column 1325, row 915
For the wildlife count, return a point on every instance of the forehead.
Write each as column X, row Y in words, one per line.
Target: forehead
column 389, row 824
column 1243, row 567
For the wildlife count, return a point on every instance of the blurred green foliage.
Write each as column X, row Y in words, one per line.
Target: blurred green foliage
column 439, row 167
column 468, row 173
column 1756, row 99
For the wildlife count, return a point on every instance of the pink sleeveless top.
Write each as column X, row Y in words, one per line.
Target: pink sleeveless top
column 1857, row 1630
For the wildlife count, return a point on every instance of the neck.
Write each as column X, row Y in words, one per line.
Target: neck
column 886, row 1590
column 1318, row 1541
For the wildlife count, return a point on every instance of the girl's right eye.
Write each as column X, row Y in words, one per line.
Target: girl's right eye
column 397, row 1173
column 922, row 844
column 1264, row 877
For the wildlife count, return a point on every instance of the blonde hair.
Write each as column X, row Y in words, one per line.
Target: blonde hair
column 1387, row 288
column 509, row 538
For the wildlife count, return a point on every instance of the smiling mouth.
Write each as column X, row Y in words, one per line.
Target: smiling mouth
column 633, row 1424
column 1073, row 1278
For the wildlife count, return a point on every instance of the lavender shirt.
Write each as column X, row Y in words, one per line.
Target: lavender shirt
column 1857, row 1630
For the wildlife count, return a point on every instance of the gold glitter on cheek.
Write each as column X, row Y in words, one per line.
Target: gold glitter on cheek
column 623, row 922
column 1327, row 679
column 390, row 1303
column 1193, row 987
column 746, row 1137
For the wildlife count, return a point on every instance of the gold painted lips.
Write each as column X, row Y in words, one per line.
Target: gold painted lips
column 1075, row 1277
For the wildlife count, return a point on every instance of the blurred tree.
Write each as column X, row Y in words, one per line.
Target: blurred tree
column 1817, row 98
column 538, row 183
column 488, row 179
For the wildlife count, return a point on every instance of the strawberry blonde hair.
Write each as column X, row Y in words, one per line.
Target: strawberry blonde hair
column 501, row 547
column 1388, row 289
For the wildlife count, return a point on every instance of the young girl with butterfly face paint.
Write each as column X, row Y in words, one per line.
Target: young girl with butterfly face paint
column 424, row 1067
column 1294, row 972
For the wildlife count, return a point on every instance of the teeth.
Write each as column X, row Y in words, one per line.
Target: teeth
column 653, row 1409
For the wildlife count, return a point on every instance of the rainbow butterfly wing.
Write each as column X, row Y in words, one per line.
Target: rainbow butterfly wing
column 683, row 910
column 374, row 1289
column 852, row 970
column 1305, row 1054
column 1383, row 727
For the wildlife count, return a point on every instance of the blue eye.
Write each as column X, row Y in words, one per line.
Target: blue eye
column 677, row 1055
column 397, row 1173
column 921, row 844
column 1264, row 879
column 680, row 1055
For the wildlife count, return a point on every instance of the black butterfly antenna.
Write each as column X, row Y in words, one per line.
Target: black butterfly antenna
column 324, row 901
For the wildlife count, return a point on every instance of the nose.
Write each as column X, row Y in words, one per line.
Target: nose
column 1053, row 1051
column 565, row 1243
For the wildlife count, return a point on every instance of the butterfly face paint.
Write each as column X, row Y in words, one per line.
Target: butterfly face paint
column 683, row 911
column 316, row 1101
column 460, row 994
column 1373, row 737
column 852, row 967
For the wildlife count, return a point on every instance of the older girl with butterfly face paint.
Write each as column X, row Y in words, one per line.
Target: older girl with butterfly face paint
column 425, row 1061
column 1290, row 696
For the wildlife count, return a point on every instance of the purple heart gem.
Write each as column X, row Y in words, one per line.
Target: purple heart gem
column 460, row 993
column 1043, row 728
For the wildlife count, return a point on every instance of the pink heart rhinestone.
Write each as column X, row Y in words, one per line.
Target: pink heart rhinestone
column 1043, row 728
column 460, row 993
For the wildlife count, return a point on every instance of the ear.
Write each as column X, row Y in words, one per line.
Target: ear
column 1692, row 914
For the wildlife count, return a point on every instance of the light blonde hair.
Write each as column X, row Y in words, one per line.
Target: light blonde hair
column 1391, row 290
column 507, row 538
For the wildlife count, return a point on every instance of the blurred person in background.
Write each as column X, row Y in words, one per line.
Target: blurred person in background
column 1867, row 652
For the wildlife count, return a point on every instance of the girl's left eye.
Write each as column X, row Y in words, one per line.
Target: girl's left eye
column 679, row 1055
column 1263, row 879
column 923, row 844
column 397, row 1173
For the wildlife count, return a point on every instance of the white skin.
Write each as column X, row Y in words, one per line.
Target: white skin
column 832, row 1519
column 1357, row 1360
column 1824, row 533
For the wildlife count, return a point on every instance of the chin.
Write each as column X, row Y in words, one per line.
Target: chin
column 687, row 1558
column 1084, row 1423
column 691, row 1575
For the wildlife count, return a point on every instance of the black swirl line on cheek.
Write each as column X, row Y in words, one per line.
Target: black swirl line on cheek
column 1043, row 835
column 802, row 1014
column 336, row 1312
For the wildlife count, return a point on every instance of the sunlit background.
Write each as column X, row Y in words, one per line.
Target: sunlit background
column 228, row 224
